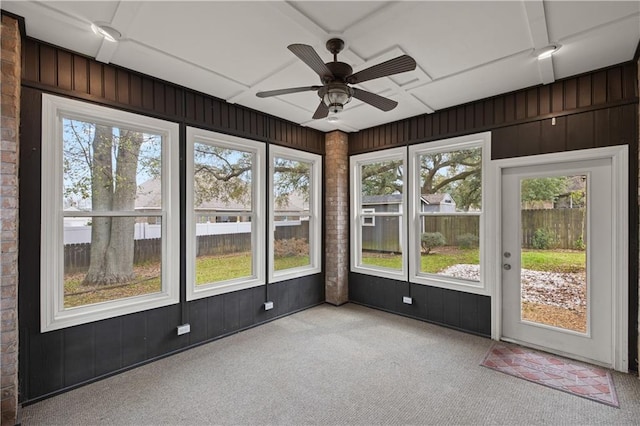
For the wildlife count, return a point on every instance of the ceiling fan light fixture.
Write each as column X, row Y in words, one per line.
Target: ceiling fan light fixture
column 336, row 97
column 546, row 51
column 106, row 31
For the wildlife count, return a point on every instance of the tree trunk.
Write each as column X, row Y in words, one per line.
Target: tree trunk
column 112, row 238
column 101, row 200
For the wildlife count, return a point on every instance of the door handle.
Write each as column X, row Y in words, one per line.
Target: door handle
column 506, row 267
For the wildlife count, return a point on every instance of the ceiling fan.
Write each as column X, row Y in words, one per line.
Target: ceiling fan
column 336, row 78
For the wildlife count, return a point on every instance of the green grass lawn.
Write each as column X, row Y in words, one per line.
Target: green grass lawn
column 221, row 268
column 537, row 260
column 208, row 269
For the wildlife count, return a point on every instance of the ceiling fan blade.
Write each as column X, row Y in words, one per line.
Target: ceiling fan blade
column 321, row 112
column 380, row 102
column 277, row 92
column 310, row 57
column 397, row 65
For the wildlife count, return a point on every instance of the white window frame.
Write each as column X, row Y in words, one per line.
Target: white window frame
column 366, row 215
column 488, row 209
column 53, row 314
column 356, row 161
column 315, row 218
column 257, row 215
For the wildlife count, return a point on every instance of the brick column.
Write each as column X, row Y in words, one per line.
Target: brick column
column 10, row 117
column 336, row 221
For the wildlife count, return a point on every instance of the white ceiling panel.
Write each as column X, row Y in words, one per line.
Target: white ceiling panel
column 576, row 56
column 337, row 16
column 465, row 50
column 148, row 61
column 507, row 75
column 450, row 37
column 565, row 19
column 243, row 41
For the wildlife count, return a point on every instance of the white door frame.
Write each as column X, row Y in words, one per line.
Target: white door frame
column 619, row 156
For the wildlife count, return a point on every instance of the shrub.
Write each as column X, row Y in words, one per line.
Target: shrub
column 430, row 240
column 291, row 247
column 467, row 241
column 579, row 244
column 543, row 239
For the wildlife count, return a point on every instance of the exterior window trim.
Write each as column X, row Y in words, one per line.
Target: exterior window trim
column 53, row 315
column 356, row 213
column 258, row 211
column 482, row 140
column 315, row 210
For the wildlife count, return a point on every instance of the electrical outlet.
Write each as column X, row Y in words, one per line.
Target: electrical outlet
column 268, row 306
column 184, row 329
column 407, row 300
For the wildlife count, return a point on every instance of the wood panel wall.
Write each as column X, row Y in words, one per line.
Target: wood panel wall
column 67, row 73
column 591, row 110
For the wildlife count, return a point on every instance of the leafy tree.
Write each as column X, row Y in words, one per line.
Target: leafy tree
column 457, row 172
column 382, row 178
column 535, row 191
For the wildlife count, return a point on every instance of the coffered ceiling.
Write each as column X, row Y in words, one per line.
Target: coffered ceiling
column 464, row 50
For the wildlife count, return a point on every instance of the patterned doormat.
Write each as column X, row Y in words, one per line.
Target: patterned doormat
column 549, row 370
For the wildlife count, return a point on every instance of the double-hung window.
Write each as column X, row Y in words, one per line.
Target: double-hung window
column 448, row 204
column 295, row 221
column 109, row 213
column 378, row 214
column 225, row 213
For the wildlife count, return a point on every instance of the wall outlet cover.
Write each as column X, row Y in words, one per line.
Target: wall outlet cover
column 184, row 329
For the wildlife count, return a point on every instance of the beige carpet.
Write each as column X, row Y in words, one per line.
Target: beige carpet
column 331, row 366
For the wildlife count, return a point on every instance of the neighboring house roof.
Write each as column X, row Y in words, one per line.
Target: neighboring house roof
column 437, row 198
column 382, row 199
column 149, row 195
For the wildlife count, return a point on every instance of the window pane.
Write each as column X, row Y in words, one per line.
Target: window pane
column 449, row 245
column 107, row 168
column 291, row 185
column 382, row 184
column 223, row 248
column 451, row 182
column 291, row 242
column 111, row 258
column 222, row 178
column 554, row 240
column 291, row 193
column 381, row 244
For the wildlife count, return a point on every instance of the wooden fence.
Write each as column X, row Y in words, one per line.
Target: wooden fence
column 77, row 256
column 565, row 225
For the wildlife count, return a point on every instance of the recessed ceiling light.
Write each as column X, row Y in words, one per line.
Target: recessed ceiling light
column 547, row 51
column 333, row 119
column 109, row 33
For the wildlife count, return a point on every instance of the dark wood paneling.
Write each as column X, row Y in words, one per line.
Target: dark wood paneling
column 79, row 347
column 601, row 89
column 108, row 346
column 463, row 311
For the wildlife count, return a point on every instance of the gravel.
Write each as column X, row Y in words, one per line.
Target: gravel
column 563, row 290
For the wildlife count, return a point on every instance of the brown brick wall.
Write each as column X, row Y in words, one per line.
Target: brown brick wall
column 336, row 217
column 10, row 87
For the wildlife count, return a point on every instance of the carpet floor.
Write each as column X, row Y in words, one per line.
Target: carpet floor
column 331, row 366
